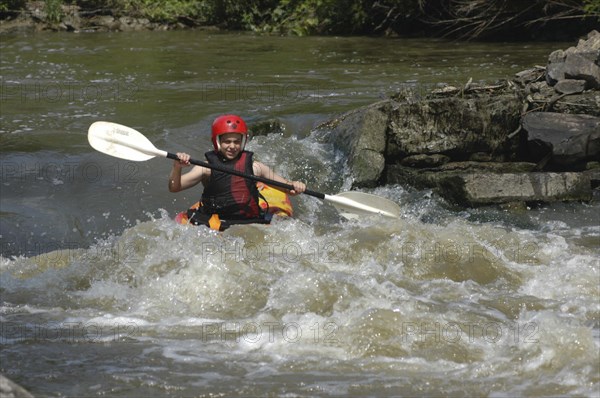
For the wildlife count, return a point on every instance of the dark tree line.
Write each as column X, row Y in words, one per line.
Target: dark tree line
column 461, row 19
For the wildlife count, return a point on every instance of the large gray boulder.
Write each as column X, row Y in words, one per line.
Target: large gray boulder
column 479, row 186
column 362, row 135
column 580, row 63
column 455, row 126
column 567, row 139
column 396, row 130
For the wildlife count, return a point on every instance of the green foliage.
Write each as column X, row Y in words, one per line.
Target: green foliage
column 296, row 17
column 159, row 10
column 341, row 16
column 591, row 7
column 307, row 17
column 237, row 15
column 54, row 10
column 457, row 18
column 324, row 16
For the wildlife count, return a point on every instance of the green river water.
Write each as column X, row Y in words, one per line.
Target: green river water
column 102, row 294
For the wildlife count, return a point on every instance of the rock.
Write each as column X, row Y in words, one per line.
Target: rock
column 492, row 167
column 453, row 126
column 587, row 103
column 446, row 90
column 584, row 66
column 487, row 188
column 480, row 157
column 570, row 140
column 581, row 62
column 531, row 75
column 592, row 165
column 19, row 25
column 430, row 178
column 126, row 24
column 423, row 161
column 479, row 188
column 362, row 135
column 74, row 19
column 473, row 145
column 37, row 11
column 368, row 166
column 71, row 23
column 570, row 86
column 266, row 127
column 9, row 389
column 104, row 22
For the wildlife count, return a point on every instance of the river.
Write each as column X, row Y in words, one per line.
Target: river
column 102, row 294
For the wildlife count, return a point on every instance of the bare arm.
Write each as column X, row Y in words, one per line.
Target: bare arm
column 262, row 170
column 179, row 182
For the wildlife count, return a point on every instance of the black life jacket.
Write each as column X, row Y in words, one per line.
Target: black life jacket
column 233, row 199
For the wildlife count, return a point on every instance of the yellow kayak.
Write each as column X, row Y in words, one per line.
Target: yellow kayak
column 271, row 200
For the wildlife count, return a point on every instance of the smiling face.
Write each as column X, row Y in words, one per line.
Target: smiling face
column 231, row 145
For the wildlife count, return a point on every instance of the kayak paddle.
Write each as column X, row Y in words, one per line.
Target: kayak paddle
column 126, row 143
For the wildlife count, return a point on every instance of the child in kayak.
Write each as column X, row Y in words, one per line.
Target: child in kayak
column 227, row 199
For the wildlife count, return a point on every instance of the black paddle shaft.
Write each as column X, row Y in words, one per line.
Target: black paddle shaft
column 248, row 176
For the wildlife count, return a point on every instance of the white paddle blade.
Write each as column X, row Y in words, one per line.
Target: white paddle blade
column 353, row 204
column 121, row 141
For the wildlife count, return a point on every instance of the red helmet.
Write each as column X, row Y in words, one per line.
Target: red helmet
column 228, row 124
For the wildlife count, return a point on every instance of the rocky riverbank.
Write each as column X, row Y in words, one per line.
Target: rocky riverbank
column 531, row 138
column 35, row 17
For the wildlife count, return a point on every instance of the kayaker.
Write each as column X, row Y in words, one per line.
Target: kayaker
column 227, row 199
